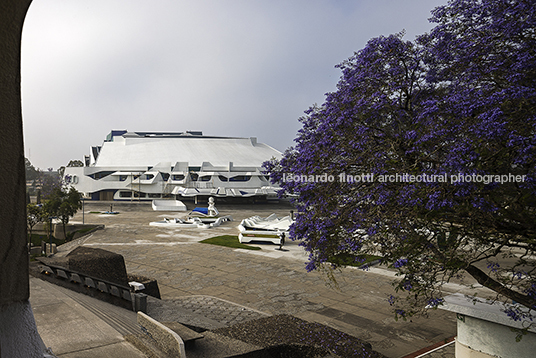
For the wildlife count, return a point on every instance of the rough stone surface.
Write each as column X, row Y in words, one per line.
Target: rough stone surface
column 151, row 286
column 290, row 333
column 99, row 263
column 169, row 341
column 18, row 333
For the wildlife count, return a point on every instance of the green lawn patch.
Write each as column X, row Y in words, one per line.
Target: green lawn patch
column 229, row 241
column 345, row 259
column 83, row 231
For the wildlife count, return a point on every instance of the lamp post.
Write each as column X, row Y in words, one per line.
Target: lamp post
column 50, row 234
column 83, row 212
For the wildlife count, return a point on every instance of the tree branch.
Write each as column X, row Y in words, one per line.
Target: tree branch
column 486, row 281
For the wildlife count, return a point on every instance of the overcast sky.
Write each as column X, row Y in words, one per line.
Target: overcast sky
column 246, row 68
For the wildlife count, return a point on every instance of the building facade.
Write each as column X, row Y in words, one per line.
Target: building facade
column 152, row 165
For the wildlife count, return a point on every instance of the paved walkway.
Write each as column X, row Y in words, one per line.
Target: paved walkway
column 74, row 325
column 269, row 281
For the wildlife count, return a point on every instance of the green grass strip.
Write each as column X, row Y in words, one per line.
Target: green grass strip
column 228, row 241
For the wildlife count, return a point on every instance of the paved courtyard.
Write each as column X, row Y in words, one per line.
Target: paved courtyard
column 269, row 280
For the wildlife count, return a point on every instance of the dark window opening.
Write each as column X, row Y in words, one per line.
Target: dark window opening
column 240, row 178
column 125, row 194
column 100, row 175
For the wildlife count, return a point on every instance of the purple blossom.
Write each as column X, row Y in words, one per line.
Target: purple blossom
column 458, row 101
column 400, row 263
column 400, row 312
column 407, row 285
column 513, row 314
column 493, row 266
column 434, row 302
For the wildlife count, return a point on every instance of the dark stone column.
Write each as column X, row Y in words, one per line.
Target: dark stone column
column 14, row 280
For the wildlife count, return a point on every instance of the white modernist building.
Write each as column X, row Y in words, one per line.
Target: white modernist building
column 153, row 165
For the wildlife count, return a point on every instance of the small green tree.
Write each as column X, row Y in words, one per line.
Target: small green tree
column 70, row 205
column 63, row 205
column 33, row 217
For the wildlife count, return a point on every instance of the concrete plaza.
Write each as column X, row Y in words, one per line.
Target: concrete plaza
column 269, row 280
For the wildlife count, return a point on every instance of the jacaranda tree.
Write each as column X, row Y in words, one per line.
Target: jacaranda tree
column 426, row 154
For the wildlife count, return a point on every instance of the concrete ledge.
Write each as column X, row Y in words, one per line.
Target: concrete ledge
column 485, row 330
column 170, row 342
column 484, row 310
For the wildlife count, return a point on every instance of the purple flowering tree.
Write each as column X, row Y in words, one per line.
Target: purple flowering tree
column 426, row 155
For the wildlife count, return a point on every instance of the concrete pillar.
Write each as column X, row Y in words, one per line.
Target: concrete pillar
column 486, row 331
column 14, row 282
column 18, row 332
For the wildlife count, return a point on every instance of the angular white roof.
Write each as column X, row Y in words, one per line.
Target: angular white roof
column 148, row 149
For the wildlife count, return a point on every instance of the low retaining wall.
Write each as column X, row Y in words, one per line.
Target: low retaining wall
column 57, row 231
column 167, row 340
column 104, row 290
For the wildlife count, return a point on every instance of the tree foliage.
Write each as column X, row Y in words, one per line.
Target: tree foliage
column 62, row 204
column 50, row 182
column 455, row 111
column 31, row 172
column 33, row 217
column 75, row 163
